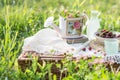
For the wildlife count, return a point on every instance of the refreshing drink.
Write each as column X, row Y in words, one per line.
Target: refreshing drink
column 111, row 46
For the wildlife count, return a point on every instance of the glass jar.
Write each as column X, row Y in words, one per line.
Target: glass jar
column 111, row 46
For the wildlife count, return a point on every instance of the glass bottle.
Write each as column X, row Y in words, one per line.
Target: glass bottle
column 93, row 24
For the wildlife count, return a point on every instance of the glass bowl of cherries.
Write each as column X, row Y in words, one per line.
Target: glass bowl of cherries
column 101, row 35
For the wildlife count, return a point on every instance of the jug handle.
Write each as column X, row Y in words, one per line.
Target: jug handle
column 86, row 23
column 86, row 16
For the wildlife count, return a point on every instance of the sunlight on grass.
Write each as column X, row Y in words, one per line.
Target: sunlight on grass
column 22, row 18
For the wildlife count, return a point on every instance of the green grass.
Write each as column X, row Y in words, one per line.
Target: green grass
column 22, row 18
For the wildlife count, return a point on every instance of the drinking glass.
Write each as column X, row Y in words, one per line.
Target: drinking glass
column 111, row 46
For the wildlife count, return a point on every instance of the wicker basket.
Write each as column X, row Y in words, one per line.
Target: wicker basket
column 25, row 62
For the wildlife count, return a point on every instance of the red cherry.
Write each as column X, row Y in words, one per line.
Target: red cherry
column 110, row 33
column 103, row 30
column 90, row 48
column 98, row 51
column 118, row 36
column 84, row 49
column 98, row 34
column 104, row 54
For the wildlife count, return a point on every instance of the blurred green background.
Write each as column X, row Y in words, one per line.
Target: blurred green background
column 22, row 18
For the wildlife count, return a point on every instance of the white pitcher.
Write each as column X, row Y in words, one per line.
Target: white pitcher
column 93, row 25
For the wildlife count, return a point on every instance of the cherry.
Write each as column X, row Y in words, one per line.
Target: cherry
column 103, row 30
column 104, row 54
column 90, row 48
column 118, row 36
column 98, row 34
column 84, row 49
column 110, row 33
column 107, row 34
column 104, row 36
column 98, row 51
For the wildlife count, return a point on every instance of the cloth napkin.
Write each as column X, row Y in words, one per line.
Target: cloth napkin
column 47, row 41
